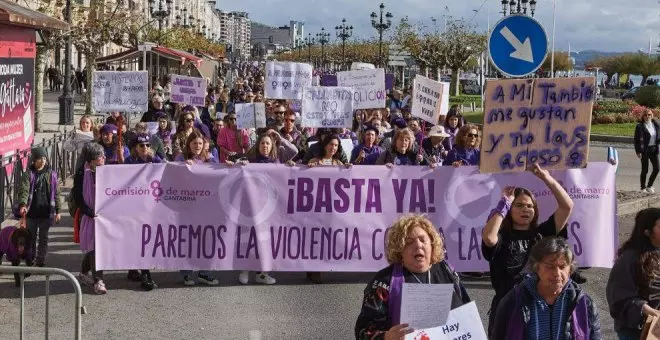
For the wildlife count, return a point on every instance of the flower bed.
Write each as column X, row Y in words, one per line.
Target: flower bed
column 618, row 112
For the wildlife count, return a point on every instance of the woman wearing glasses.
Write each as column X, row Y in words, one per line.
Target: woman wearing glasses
column 184, row 127
column 142, row 153
column 232, row 141
column 466, row 150
column 512, row 229
column 646, row 148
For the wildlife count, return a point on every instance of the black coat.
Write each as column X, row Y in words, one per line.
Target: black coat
column 642, row 137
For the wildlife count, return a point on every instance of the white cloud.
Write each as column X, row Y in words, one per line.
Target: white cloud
column 607, row 25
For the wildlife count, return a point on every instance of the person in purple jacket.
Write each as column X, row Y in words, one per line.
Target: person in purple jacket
column 466, row 150
column 17, row 244
column 368, row 151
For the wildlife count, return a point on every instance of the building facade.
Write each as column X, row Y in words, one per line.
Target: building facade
column 266, row 40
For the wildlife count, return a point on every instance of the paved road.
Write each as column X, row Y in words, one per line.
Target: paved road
column 292, row 309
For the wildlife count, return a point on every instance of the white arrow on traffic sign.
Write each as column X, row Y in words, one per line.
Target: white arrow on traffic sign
column 522, row 51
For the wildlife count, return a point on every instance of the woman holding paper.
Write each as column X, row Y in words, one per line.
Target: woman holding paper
column 628, row 301
column 415, row 252
column 513, row 228
column 547, row 303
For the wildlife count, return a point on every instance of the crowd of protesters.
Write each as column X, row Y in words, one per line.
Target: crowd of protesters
column 532, row 268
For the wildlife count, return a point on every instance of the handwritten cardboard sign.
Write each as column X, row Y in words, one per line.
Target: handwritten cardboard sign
column 188, row 90
column 427, row 99
column 285, row 80
column 327, row 107
column 368, row 87
column 463, row 322
column 250, row 115
column 123, row 91
column 545, row 121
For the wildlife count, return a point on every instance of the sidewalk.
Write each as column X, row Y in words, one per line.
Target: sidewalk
column 50, row 116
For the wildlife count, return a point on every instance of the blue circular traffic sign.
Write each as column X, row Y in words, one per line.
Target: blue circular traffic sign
column 517, row 45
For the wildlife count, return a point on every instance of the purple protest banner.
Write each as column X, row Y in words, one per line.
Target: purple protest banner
column 188, row 90
column 278, row 218
column 331, row 80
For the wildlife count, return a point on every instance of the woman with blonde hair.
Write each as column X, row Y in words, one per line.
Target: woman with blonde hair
column 401, row 151
column 415, row 252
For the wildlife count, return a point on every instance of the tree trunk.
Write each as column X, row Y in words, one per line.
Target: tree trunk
column 456, row 81
column 89, row 68
column 39, row 70
column 644, row 78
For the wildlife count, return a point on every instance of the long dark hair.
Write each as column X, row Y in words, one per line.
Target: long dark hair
column 325, row 143
column 639, row 240
column 187, row 152
column 507, row 224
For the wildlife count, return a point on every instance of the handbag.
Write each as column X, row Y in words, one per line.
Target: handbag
column 651, row 330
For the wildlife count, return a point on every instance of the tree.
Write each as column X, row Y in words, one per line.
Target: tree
column 425, row 46
column 643, row 65
column 459, row 43
column 562, row 62
column 610, row 65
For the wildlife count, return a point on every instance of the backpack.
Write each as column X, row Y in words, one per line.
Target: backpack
column 578, row 322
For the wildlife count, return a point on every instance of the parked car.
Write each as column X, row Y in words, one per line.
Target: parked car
column 630, row 95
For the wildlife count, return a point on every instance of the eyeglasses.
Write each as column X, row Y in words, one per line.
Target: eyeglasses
column 144, row 145
column 523, row 206
column 472, row 135
column 291, row 120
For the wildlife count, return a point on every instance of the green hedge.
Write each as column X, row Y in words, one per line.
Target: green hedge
column 648, row 96
column 465, row 100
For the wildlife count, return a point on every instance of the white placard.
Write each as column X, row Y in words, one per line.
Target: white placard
column 152, row 128
column 444, row 107
column 250, row 115
column 427, row 99
column 122, row 91
column 463, row 322
column 188, row 90
column 369, row 87
column 285, row 80
column 346, row 145
column 327, row 107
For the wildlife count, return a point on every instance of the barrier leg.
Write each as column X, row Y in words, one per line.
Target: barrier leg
column 22, row 318
column 47, row 301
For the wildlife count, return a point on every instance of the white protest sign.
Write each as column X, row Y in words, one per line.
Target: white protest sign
column 427, row 99
column 444, row 106
column 463, row 322
column 123, row 91
column 188, row 90
column 286, row 80
column 250, row 115
column 425, row 306
column 369, row 87
column 327, row 107
column 346, row 145
column 152, row 128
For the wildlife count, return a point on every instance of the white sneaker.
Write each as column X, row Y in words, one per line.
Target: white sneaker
column 265, row 279
column 644, row 191
column 244, row 277
column 86, row 279
column 650, row 190
column 99, row 288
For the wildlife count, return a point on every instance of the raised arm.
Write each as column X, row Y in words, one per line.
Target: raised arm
column 564, row 201
column 490, row 233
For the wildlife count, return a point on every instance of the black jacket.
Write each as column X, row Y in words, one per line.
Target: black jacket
column 77, row 191
column 642, row 137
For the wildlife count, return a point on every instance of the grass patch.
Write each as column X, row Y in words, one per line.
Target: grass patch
column 476, row 117
column 624, row 129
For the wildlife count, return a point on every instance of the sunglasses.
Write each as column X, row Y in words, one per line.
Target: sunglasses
column 144, row 145
column 472, row 135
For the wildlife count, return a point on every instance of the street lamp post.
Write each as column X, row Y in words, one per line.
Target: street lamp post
column 309, row 41
column 300, row 43
column 381, row 27
column 323, row 38
column 518, row 7
column 162, row 13
column 344, row 32
column 66, row 99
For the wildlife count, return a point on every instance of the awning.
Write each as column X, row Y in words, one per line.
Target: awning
column 163, row 51
column 12, row 13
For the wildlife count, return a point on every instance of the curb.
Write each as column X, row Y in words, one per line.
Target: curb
column 612, row 139
column 633, row 206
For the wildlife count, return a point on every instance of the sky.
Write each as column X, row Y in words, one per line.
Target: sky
column 605, row 25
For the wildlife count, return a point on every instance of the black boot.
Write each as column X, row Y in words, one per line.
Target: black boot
column 133, row 275
column 147, row 282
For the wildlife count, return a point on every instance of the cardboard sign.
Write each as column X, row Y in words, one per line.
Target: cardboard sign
column 188, row 90
column 327, row 107
column 368, row 87
column 463, row 322
column 286, row 80
column 427, row 99
column 122, row 91
column 545, row 121
column 250, row 115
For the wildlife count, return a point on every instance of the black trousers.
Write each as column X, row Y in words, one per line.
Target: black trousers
column 89, row 263
column 649, row 155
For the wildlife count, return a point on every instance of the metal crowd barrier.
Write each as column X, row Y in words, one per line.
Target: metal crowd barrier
column 80, row 309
